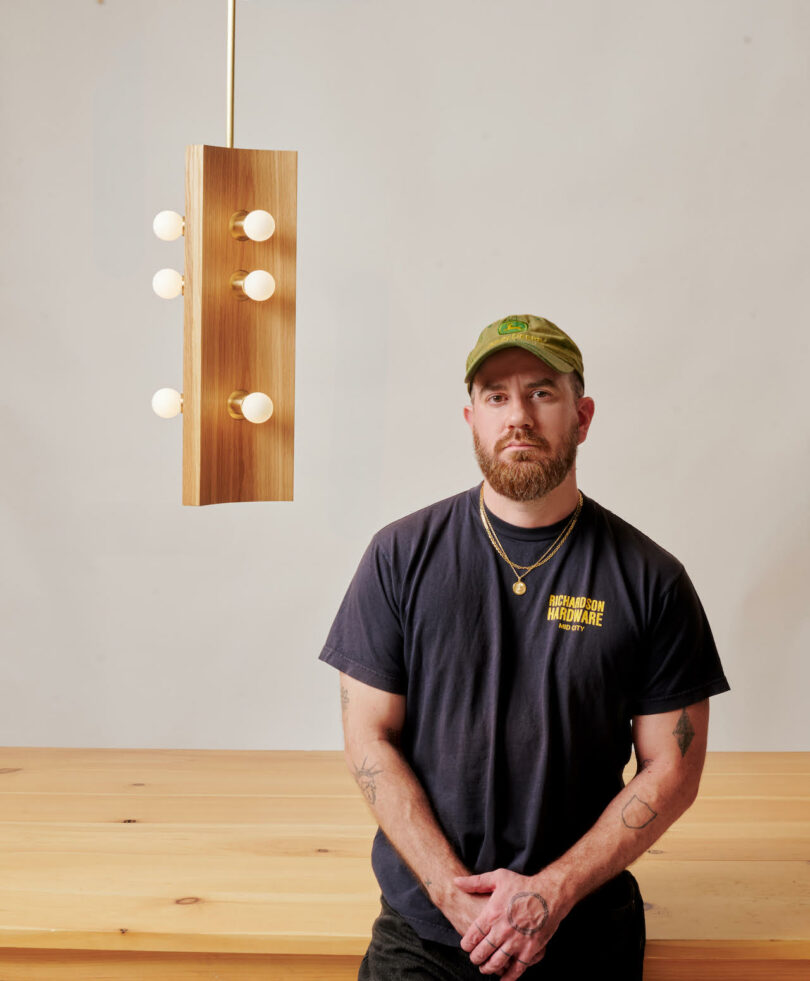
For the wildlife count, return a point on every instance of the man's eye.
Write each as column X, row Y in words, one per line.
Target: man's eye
column 540, row 393
column 495, row 398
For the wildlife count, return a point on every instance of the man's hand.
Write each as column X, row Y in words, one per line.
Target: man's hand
column 462, row 909
column 520, row 917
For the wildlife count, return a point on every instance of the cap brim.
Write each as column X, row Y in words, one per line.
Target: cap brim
column 558, row 364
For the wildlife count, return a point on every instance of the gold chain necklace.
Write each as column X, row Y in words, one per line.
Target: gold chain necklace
column 519, row 587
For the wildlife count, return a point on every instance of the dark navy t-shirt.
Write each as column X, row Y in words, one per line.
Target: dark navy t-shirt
column 518, row 708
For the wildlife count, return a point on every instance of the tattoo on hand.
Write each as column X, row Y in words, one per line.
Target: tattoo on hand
column 527, row 913
column 364, row 775
column 684, row 732
column 637, row 814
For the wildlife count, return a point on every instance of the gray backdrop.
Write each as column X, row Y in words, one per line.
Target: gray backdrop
column 634, row 170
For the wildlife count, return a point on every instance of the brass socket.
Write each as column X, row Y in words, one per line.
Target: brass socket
column 238, row 284
column 235, row 404
column 236, row 226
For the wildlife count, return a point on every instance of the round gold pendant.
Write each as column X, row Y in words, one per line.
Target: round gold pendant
column 519, row 588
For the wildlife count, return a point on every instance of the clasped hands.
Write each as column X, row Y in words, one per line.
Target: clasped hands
column 510, row 933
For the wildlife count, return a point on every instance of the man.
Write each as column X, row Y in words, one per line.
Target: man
column 500, row 652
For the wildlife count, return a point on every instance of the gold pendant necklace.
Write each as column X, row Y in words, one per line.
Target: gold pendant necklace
column 519, row 587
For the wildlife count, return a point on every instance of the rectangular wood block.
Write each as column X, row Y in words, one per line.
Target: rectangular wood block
column 233, row 344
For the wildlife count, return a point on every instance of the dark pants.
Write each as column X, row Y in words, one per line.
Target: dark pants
column 602, row 937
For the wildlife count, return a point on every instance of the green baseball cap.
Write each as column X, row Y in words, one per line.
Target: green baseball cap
column 536, row 334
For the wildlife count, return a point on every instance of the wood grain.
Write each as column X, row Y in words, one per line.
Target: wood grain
column 127, row 863
column 83, row 965
column 232, row 344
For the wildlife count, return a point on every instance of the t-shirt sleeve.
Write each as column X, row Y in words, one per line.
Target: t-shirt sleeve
column 365, row 641
column 680, row 663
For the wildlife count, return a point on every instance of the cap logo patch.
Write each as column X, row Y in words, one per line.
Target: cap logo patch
column 512, row 327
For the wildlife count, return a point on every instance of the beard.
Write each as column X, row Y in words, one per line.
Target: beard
column 524, row 477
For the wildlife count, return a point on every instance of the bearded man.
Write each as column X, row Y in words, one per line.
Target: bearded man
column 500, row 653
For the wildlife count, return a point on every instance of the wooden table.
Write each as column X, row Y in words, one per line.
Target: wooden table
column 175, row 864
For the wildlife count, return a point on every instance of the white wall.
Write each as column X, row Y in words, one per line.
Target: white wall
column 636, row 171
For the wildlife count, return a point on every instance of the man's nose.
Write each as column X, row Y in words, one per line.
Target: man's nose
column 519, row 415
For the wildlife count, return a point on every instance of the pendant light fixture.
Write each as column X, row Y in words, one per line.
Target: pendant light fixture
column 238, row 289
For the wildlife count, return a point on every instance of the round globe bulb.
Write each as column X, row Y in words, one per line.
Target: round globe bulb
column 259, row 225
column 167, row 283
column 257, row 407
column 259, row 285
column 167, row 403
column 168, row 225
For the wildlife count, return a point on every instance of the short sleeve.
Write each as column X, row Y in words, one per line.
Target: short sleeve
column 680, row 663
column 365, row 641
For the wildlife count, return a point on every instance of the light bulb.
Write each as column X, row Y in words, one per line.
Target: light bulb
column 167, row 283
column 259, row 285
column 257, row 407
column 167, row 403
column 259, row 225
column 168, row 225
column 256, row 225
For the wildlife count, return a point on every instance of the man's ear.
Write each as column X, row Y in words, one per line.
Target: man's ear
column 585, row 410
column 468, row 415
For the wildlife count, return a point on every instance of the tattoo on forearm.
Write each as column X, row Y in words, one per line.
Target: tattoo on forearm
column 344, row 698
column 684, row 732
column 527, row 913
column 364, row 775
column 636, row 813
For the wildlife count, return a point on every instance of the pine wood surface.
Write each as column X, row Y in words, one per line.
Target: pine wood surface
column 201, row 859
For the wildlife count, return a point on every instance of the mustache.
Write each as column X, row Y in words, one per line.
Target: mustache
column 522, row 436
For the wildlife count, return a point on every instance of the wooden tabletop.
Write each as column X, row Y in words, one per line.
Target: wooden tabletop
column 259, row 852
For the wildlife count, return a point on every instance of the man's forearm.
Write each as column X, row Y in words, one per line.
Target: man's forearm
column 634, row 819
column 523, row 912
column 403, row 811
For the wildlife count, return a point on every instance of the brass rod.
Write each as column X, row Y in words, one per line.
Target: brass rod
column 231, row 34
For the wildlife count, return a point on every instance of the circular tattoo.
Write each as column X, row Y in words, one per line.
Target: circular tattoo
column 527, row 913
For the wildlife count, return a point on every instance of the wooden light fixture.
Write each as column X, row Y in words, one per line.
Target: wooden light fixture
column 238, row 289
